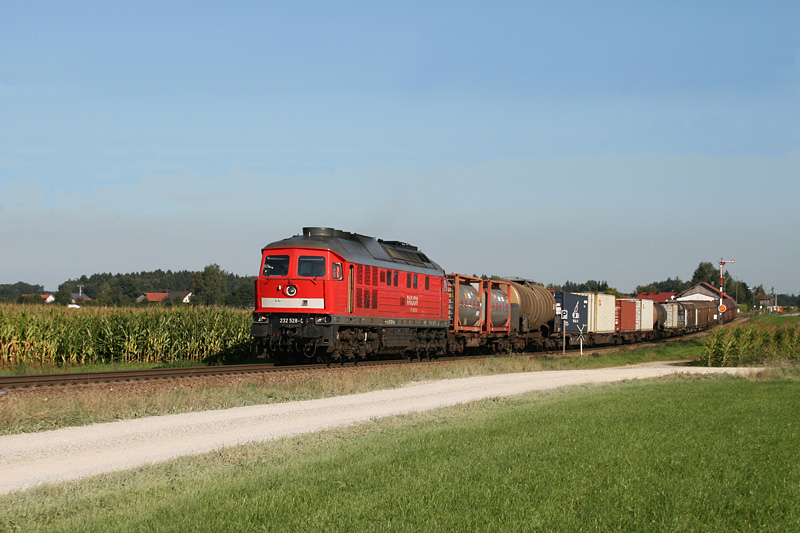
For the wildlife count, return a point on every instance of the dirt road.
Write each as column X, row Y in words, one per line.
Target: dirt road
column 32, row 459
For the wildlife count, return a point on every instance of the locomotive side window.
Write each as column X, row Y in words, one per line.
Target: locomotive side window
column 276, row 265
column 336, row 271
column 310, row 266
column 395, row 279
column 408, row 281
column 427, row 283
column 415, row 281
column 389, row 278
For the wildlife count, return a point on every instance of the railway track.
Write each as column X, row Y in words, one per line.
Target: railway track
column 62, row 379
column 27, row 381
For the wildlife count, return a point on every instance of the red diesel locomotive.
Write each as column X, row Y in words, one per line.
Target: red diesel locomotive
column 331, row 295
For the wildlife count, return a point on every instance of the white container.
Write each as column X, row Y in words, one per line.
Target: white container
column 602, row 312
column 673, row 313
column 648, row 314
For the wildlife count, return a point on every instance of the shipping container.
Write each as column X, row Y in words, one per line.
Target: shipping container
column 648, row 314
column 602, row 312
column 625, row 315
column 644, row 314
column 674, row 315
column 577, row 308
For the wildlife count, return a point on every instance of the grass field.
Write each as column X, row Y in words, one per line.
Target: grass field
column 777, row 319
column 682, row 454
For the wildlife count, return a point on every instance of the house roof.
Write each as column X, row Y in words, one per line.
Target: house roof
column 178, row 295
column 659, row 297
column 716, row 290
column 155, row 296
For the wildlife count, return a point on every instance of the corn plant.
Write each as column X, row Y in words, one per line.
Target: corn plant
column 752, row 344
column 58, row 336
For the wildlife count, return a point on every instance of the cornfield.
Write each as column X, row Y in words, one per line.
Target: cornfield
column 59, row 336
column 752, row 344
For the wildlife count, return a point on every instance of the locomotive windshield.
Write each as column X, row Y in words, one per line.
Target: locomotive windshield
column 276, row 265
column 311, row 266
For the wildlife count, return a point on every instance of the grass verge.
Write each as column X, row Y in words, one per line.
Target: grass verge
column 683, row 454
column 38, row 410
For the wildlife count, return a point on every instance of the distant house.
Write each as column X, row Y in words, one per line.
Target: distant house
column 48, row 298
column 659, row 297
column 702, row 291
column 172, row 296
column 152, row 297
column 79, row 296
column 179, row 296
column 764, row 301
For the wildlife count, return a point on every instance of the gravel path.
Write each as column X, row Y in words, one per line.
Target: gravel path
column 31, row 459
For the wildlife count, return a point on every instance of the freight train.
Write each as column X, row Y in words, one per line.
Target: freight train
column 333, row 296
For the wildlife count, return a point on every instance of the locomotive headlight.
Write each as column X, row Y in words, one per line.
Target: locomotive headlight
column 291, row 290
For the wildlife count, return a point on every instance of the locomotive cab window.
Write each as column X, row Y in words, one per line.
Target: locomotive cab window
column 276, row 265
column 309, row 266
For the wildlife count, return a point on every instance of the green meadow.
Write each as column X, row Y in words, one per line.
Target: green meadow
column 678, row 454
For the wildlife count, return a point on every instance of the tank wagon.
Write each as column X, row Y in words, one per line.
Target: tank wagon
column 329, row 295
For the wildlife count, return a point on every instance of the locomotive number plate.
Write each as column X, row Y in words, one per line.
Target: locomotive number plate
column 291, row 320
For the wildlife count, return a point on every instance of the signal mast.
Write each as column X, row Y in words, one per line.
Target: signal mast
column 721, row 307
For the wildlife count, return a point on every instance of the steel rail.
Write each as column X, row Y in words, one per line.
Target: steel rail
column 27, row 381
column 60, row 379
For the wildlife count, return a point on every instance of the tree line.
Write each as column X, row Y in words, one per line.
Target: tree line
column 706, row 272
column 214, row 286
column 211, row 286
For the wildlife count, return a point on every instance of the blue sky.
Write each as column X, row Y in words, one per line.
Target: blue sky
column 621, row 141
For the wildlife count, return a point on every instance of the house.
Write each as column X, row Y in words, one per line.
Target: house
column 659, row 297
column 702, row 291
column 152, row 297
column 764, row 301
column 48, row 298
column 79, row 296
column 172, row 296
column 180, row 296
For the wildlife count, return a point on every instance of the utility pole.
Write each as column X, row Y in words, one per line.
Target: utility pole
column 721, row 307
